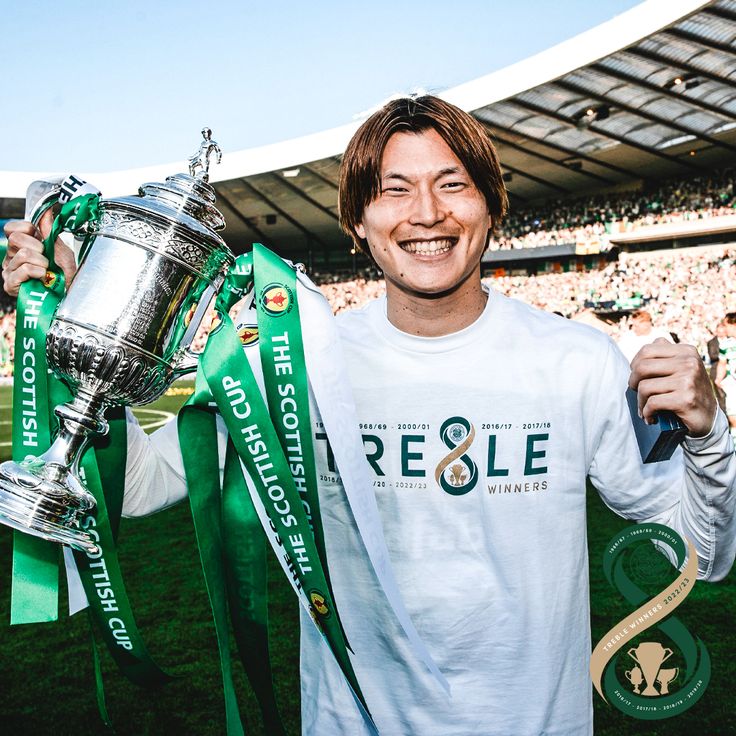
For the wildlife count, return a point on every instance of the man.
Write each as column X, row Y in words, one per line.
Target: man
column 726, row 369
column 482, row 418
column 641, row 332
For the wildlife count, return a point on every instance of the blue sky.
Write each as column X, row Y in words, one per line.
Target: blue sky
column 102, row 86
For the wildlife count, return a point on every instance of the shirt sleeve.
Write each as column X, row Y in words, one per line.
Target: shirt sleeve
column 154, row 471
column 694, row 492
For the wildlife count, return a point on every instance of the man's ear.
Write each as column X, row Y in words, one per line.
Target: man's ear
column 360, row 230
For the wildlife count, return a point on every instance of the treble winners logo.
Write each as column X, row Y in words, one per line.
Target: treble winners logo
column 456, row 473
column 276, row 299
column 660, row 681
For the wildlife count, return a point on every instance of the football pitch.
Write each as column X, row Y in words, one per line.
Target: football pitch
column 46, row 670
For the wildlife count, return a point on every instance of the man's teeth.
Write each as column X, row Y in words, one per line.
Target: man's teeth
column 426, row 247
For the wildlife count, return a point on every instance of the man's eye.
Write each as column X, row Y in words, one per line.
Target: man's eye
column 393, row 190
column 453, row 185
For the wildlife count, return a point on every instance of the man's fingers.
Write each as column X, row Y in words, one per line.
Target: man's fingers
column 27, row 255
column 679, row 394
column 22, row 236
column 650, row 387
column 27, row 262
column 656, row 403
column 660, row 348
column 642, row 368
column 12, row 280
column 22, row 226
column 684, row 362
column 664, row 359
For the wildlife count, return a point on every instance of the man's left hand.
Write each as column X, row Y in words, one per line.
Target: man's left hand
column 671, row 377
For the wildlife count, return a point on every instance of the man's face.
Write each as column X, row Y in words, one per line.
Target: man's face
column 641, row 325
column 428, row 227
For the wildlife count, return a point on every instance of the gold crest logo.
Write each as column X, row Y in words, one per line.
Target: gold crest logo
column 277, row 299
column 318, row 603
column 248, row 334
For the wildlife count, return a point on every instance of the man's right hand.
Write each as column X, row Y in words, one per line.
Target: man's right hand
column 25, row 259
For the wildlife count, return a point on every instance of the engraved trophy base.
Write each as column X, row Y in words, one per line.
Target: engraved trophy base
column 36, row 498
column 44, row 496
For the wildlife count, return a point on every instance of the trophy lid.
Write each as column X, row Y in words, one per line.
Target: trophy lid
column 189, row 194
column 183, row 201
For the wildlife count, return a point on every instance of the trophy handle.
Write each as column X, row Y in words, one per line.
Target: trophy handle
column 668, row 655
column 633, row 656
column 189, row 359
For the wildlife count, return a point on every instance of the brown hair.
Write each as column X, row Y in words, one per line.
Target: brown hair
column 360, row 172
column 641, row 314
column 730, row 318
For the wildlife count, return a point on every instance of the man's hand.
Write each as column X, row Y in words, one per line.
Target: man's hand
column 673, row 377
column 25, row 259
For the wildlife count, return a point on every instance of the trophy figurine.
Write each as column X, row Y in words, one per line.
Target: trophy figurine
column 121, row 334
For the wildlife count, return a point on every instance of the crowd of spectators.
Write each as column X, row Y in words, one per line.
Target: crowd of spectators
column 687, row 292
column 593, row 218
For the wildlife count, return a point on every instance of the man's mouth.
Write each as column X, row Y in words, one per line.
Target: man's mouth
column 428, row 247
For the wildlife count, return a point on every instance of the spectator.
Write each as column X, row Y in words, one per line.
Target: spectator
column 641, row 332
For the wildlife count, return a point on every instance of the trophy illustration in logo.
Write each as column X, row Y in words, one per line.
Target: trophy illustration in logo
column 635, row 677
column 650, row 656
column 664, row 678
column 121, row 334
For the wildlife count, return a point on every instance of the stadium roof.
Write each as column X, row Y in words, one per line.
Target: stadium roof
column 649, row 94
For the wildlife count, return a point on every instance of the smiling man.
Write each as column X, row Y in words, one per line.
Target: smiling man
column 481, row 420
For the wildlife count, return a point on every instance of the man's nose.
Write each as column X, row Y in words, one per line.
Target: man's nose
column 427, row 208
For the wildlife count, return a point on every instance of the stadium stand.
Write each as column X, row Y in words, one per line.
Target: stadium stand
column 620, row 139
column 596, row 217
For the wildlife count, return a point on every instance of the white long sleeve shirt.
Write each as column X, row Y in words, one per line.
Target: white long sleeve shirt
column 489, row 546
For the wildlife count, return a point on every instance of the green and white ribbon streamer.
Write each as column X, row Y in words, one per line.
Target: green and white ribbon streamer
column 35, row 584
column 35, row 561
column 233, row 386
column 274, row 445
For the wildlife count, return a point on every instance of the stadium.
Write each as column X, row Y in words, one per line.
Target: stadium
column 618, row 150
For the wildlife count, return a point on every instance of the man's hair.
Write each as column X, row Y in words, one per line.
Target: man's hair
column 360, row 172
column 641, row 314
column 730, row 318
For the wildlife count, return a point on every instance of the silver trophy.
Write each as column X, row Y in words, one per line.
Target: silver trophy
column 121, row 334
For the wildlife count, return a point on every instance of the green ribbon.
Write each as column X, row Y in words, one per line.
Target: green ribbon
column 277, row 458
column 102, row 578
column 35, row 582
column 35, row 561
column 281, row 348
column 247, row 587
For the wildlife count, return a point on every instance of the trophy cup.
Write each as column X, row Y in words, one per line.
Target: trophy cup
column 665, row 677
column 650, row 656
column 635, row 677
column 121, row 334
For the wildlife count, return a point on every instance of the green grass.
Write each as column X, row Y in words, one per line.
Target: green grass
column 46, row 676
